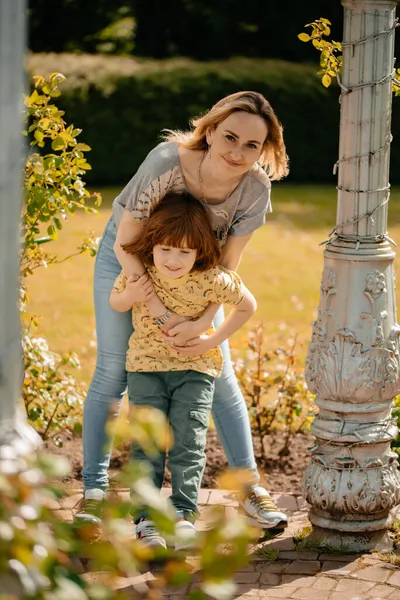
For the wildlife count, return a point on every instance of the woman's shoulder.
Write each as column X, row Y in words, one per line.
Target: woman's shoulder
column 258, row 177
column 163, row 157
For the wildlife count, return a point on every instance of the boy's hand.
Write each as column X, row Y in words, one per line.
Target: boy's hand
column 139, row 289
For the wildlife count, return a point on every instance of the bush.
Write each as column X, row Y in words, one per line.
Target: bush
column 275, row 390
column 122, row 104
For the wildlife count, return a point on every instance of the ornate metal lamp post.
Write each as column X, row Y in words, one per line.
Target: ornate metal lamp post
column 15, row 436
column 353, row 481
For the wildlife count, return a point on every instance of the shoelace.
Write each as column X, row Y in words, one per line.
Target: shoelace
column 263, row 502
column 90, row 506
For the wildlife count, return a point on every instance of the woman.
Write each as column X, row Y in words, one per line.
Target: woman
column 226, row 161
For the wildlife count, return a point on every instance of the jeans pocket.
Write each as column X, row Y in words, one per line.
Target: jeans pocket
column 196, row 429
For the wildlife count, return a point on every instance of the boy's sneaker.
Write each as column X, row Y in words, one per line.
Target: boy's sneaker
column 148, row 535
column 261, row 510
column 91, row 507
column 185, row 535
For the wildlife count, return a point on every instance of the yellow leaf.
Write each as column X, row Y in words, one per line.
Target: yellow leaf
column 326, row 80
column 304, row 37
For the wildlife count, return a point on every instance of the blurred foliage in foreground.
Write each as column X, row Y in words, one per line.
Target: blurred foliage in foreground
column 41, row 555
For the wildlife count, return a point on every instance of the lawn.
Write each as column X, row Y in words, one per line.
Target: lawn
column 281, row 265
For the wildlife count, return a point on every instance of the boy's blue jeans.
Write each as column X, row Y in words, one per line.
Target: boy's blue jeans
column 110, row 380
column 185, row 397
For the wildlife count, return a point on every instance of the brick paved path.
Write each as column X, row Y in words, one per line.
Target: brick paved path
column 304, row 574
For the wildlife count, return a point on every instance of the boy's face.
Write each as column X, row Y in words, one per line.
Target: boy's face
column 173, row 262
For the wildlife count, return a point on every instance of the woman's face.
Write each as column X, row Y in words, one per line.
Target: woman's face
column 237, row 142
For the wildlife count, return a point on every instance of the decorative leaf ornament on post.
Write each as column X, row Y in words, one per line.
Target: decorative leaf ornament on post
column 353, row 363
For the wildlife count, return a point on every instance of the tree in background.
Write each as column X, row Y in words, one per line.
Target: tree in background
column 201, row 29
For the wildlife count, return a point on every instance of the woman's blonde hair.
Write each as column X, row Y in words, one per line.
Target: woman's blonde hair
column 273, row 157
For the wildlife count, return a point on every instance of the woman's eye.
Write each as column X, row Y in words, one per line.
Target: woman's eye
column 252, row 146
column 230, row 138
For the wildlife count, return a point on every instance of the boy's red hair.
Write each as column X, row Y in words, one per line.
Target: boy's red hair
column 179, row 221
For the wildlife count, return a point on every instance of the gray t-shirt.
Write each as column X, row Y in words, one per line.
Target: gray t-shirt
column 240, row 214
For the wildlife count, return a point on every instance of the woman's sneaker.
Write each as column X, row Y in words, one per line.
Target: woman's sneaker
column 185, row 535
column 91, row 507
column 148, row 535
column 261, row 510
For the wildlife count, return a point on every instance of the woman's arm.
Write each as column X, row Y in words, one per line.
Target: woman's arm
column 237, row 317
column 233, row 250
column 128, row 231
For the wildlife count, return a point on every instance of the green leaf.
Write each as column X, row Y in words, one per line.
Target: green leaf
column 38, row 135
column 52, row 231
column 58, row 144
column 326, row 80
column 304, row 37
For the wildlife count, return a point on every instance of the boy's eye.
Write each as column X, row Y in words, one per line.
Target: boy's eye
column 165, row 249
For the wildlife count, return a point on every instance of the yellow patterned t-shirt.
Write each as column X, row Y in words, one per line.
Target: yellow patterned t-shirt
column 187, row 296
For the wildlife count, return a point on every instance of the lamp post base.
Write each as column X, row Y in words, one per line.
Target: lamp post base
column 349, row 542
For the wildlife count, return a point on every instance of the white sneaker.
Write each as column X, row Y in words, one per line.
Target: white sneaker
column 148, row 535
column 185, row 535
column 91, row 507
column 261, row 510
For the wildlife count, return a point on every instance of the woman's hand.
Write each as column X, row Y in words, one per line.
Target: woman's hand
column 139, row 289
column 184, row 331
column 195, row 347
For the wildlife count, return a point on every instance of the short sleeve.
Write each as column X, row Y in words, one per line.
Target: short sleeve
column 227, row 287
column 120, row 282
column 152, row 181
column 252, row 218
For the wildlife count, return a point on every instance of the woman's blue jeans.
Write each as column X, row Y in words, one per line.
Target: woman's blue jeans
column 109, row 382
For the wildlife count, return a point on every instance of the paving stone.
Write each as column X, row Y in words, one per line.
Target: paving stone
column 64, row 515
column 337, row 568
column 394, row 579
column 345, row 596
column 340, row 557
column 300, row 582
column 243, row 577
column 251, row 589
column 269, row 579
column 285, row 501
column 378, row 574
column 379, row 591
column 301, row 555
column 395, row 595
column 306, row 567
column 222, row 498
column 275, row 567
column 248, row 568
column 349, row 585
column 324, row 583
column 302, row 504
column 284, row 543
column 276, row 592
column 70, row 501
column 310, row 594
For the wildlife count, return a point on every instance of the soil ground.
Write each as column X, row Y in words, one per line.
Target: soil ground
column 279, row 472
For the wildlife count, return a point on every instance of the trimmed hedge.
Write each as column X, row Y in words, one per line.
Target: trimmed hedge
column 122, row 104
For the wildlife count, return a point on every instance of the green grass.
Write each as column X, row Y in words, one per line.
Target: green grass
column 282, row 266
